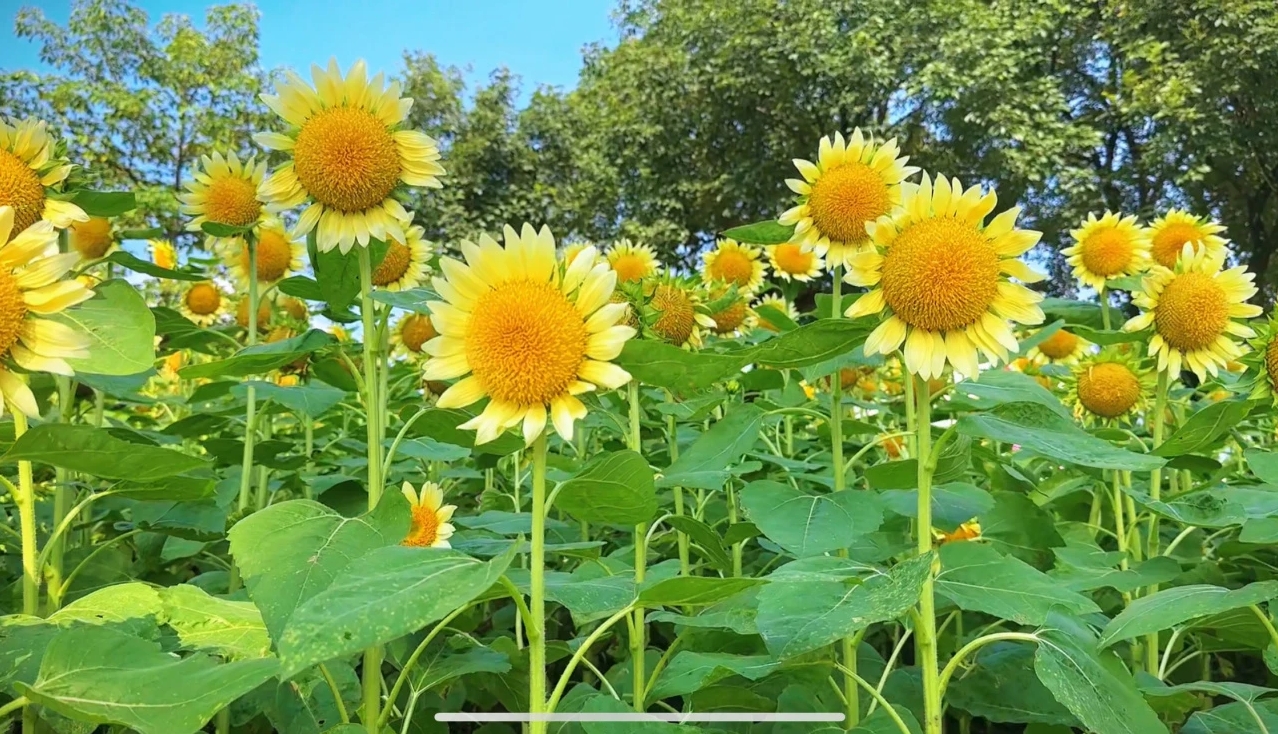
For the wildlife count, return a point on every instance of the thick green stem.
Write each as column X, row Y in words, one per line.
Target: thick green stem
column 1120, row 524
column 250, row 406
column 638, row 641
column 672, row 442
column 925, row 634
column 30, row 568
column 412, row 661
column 308, row 428
column 1155, row 493
column 851, row 697
column 372, row 668
column 975, row 645
column 263, row 471
column 1103, row 295
column 733, row 518
column 536, row 624
column 62, row 494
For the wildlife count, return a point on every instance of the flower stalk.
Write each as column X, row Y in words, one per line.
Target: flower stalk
column 535, row 624
column 925, row 631
column 1155, row 493
column 372, row 667
column 638, row 639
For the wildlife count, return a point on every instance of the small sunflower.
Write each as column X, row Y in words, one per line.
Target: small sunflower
column 31, row 175
column 675, row 314
column 31, row 287
column 1263, row 358
column 278, row 254
column 1108, row 387
column 1169, row 234
column 734, row 318
column 569, row 252
column 525, row 332
column 348, row 156
column 941, row 275
column 430, row 527
column 970, row 530
column 164, row 254
column 263, row 314
column 795, row 261
column 223, row 191
column 632, row 262
column 1107, row 248
column 295, row 308
column 732, row 263
column 1062, row 347
column 411, row 333
column 203, row 302
column 852, row 184
column 1192, row 309
column 781, row 305
column 406, row 264
column 92, row 238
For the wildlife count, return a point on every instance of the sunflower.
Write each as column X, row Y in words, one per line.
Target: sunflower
column 795, row 261
column 430, row 527
column 163, row 253
column 348, row 156
column 1108, row 387
column 1169, row 234
column 1062, row 347
column 1263, row 358
column 406, row 262
column 1107, row 248
column 278, row 255
column 970, row 530
column 676, row 315
column 92, row 238
column 1192, row 309
column 632, row 262
column 224, row 192
column 526, row 332
column 569, row 252
column 263, row 314
column 203, row 303
column 734, row 318
column 732, row 263
column 31, row 175
column 411, row 333
column 778, row 303
column 852, row 184
column 940, row 274
column 31, row 269
column 295, row 308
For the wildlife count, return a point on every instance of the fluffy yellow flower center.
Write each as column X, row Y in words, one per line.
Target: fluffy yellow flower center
column 232, row 200
column 845, row 197
column 92, row 238
column 1059, row 345
column 730, row 318
column 425, row 527
column 13, row 311
column 1170, row 240
column 525, row 343
column 394, row 265
column 274, row 255
column 165, row 256
column 732, row 266
column 21, row 189
column 940, row 274
column 677, row 319
column 791, row 258
column 1271, row 362
column 1192, row 312
column 346, row 158
column 1107, row 252
column 416, row 331
column 1108, row 389
column 630, row 267
column 203, row 299
column 263, row 314
column 295, row 309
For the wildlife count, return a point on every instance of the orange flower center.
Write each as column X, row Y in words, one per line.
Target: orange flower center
column 1171, row 239
column 393, row 265
column 940, row 274
column 232, row 200
column 1107, row 252
column 274, row 255
column 732, row 266
column 424, row 529
column 91, row 239
column 525, row 343
column 21, row 189
column 416, row 331
column 677, row 318
column 729, row 319
column 791, row 258
column 296, row 309
column 203, row 299
column 630, row 267
column 1271, row 362
column 1192, row 312
column 13, row 311
column 845, row 197
column 347, row 159
column 1108, row 389
column 1059, row 345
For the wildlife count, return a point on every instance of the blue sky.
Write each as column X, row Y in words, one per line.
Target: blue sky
column 540, row 40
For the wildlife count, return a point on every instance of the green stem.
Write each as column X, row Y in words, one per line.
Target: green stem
column 263, row 471
column 637, row 640
column 1103, row 295
column 672, row 442
column 975, row 645
column 25, row 499
column 62, row 493
column 337, row 694
column 584, row 648
column 412, row 661
column 372, row 668
column 1155, row 493
column 852, row 700
column 308, row 428
column 250, row 407
column 925, row 635
column 535, row 624
column 878, row 698
column 733, row 517
column 1120, row 524
column 13, row 705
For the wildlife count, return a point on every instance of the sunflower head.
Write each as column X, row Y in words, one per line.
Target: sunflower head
column 405, row 264
column 31, row 171
column 163, row 253
column 526, row 332
column 675, row 313
column 970, row 530
column 795, row 261
column 1169, row 234
column 92, row 238
column 278, row 254
column 893, row 446
column 223, row 190
column 1107, row 248
column 295, row 308
column 263, row 314
column 1193, row 310
column 632, row 263
column 1262, row 361
column 777, row 303
column 349, row 153
column 203, row 303
column 1062, row 347
column 570, row 251
column 411, row 334
column 430, row 526
column 733, row 264
column 1108, row 387
column 731, row 312
column 939, row 277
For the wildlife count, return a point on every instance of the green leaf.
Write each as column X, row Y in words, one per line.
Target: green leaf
column 1092, row 684
column 978, row 578
column 433, row 670
column 413, row 299
column 261, row 358
column 311, row 399
column 1234, row 718
column 96, row 452
column 587, row 595
column 617, row 488
column 807, row 524
column 300, row 286
column 338, row 273
column 232, row 629
column 703, row 538
column 115, row 604
column 693, row 590
column 1171, row 607
column 736, row 613
column 218, row 229
column 130, row 261
column 952, row 504
column 105, row 203
column 179, row 332
column 385, row 594
column 705, row 464
column 1000, row 387
column 1264, row 464
column 1204, row 427
column 807, row 345
column 103, row 676
column 146, row 233
column 1001, row 687
column 954, row 462
column 120, row 328
column 689, row 672
column 678, row 370
column 767, row 232
column 1018, row 527
column 778, row 320
column 1046, row 432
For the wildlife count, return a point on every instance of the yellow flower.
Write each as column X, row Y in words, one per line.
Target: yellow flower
column 92, row 238
column 278, row 255
column 1169, row 234
column 1263, row 357
column 1107, row 248
column 348, row 156
column 632, row 262
column 941, row 275
column 430, row 527
column 203, row 303
column 1108, row 387
column 570, row 251
column 296, row 309
column 172, row 363
column 263, row 314
column 339, row 333
column 778, row 303
column 526, row 332
column 406, row 262
column 30, row 173
column 676, row 315
column 732, row 263
column 1192, row 310
column 852, row 184
column 795, row 261
column 970, row 530
column 411, row 334
column 736, row 317
column 288, row 380
column 31, row 269
column 1061, row 347
column 164, row 254
column 224, row 192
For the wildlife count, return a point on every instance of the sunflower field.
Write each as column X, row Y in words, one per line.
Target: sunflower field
column 324, row 475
